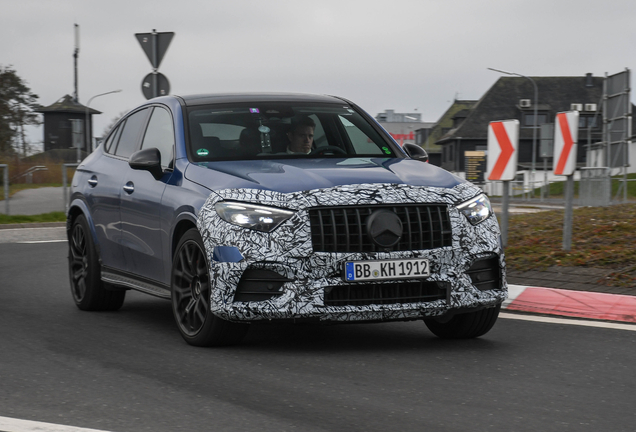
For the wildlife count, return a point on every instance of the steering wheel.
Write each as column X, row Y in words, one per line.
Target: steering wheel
column 320, row 151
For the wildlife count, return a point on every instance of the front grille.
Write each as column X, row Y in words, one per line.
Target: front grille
column 485, row 273
column 344, row 229
column 383, row 294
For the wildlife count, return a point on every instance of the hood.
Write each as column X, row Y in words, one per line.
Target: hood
column 294, row 175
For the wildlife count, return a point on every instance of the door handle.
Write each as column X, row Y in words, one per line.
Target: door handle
column 129, row 187
column 92, row 181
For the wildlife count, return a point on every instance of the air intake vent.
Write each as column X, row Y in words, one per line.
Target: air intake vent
column 485, row 274
column 259, row 285
column 344, row 229
column 385, row 293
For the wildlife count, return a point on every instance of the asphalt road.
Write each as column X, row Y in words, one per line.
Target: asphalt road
column 130, row 370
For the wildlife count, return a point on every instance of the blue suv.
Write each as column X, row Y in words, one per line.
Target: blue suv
column 246, row 207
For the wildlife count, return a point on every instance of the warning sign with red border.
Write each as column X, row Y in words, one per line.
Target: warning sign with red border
column 566, row 134
column 503, row 141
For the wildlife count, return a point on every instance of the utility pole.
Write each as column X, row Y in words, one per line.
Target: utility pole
column 75, row 56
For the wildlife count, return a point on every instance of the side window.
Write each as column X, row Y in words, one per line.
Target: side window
column 160, row 134
column 362, row 143
column 111, row 142
column 130, row 133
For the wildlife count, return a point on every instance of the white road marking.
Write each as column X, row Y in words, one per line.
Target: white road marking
column 8, row 424
column 585, row 323
column 42, row 241
column 24, row 235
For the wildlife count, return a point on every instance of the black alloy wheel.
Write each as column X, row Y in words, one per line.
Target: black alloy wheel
column 191, row 295
column 89, row 292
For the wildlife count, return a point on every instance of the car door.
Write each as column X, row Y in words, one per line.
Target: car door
column 105, row 181
column 102, row 197
column 140, row 205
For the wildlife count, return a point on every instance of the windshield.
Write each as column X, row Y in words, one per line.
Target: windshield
column 265, row 131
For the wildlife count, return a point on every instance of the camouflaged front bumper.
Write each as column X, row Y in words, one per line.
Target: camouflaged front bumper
column 288, row 251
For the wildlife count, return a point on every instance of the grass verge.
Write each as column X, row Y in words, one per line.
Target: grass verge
column 45, row 217
column 602, row 237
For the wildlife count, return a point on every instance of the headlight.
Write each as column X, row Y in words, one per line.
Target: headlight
column 252, row 216
column 477, row 209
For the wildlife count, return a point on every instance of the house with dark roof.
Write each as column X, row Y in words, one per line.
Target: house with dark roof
column 452, row 118
column 58, row 123
column 512, row 98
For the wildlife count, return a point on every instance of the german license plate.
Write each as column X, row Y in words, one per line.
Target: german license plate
column 411, row 268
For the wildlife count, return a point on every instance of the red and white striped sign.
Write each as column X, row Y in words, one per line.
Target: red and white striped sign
column 503, row 141
column 566, row 134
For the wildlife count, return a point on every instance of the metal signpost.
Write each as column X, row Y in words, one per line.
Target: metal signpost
column 5, row 182
column 503, row 142
column 546, row 150
column 617, row 123
column 155, row 46
column 566, row 134
column 77, row 136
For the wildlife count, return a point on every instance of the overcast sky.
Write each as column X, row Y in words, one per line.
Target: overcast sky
column 391, row 54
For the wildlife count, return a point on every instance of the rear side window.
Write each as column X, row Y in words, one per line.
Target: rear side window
column 130, row 134
column 111, row 142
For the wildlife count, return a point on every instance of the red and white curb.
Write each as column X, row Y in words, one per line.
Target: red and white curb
column 580, row 304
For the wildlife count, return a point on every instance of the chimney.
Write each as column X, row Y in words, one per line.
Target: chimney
column 589, row 81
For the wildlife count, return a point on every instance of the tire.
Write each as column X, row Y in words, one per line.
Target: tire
column 84, row 269
column 465, row 326
column 191, row 295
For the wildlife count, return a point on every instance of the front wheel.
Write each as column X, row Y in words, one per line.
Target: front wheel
column 191, row 295
column 464, row 326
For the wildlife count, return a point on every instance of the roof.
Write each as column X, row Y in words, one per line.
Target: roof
column 204, row 99
column 446, row 122
column 501, row 102
column 66, row 104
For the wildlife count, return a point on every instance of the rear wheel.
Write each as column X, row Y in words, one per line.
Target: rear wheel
column 191, row 295
column 84, row 269
column 464, row 326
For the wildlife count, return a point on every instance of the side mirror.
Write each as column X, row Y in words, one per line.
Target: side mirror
column 416, row 152
column 147, row 160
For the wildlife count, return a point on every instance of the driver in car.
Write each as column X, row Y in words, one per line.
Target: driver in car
column 301, row 136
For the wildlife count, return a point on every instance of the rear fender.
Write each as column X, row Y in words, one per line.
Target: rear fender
column 76, row 208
